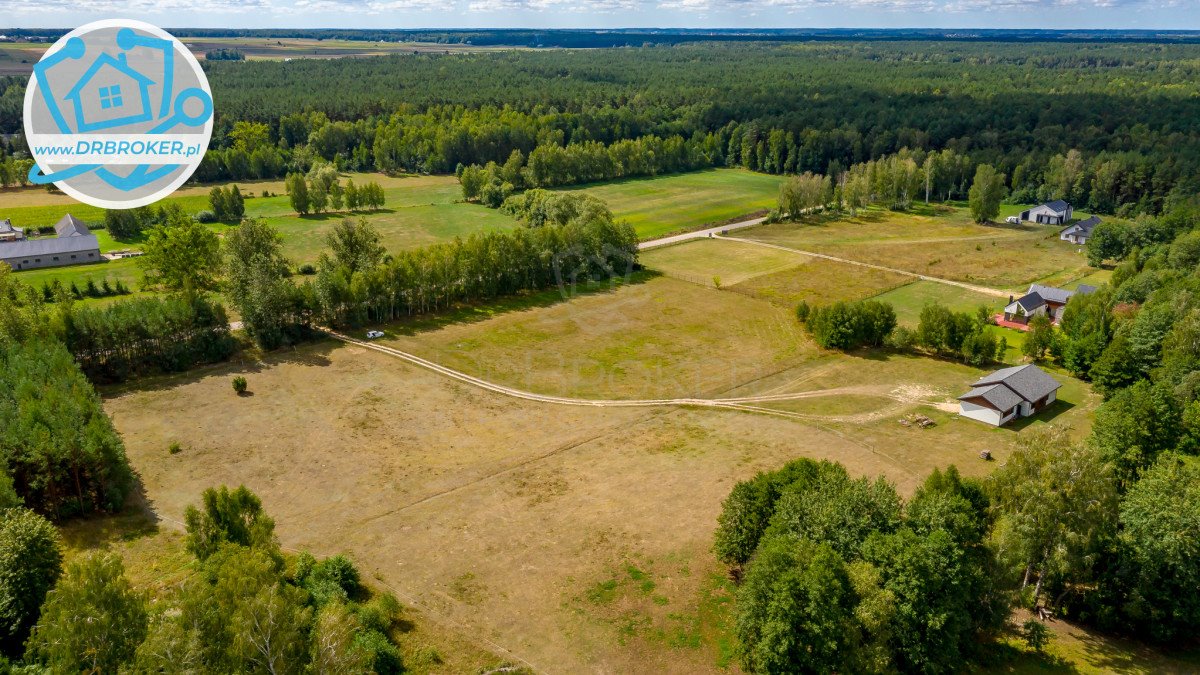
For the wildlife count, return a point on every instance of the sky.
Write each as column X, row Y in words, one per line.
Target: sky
column 1061, row 14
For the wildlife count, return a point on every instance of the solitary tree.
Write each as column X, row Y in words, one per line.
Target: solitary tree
column 986, row 193
column 182, row 255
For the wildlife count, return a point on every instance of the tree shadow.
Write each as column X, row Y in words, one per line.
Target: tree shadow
column 1044, row 415
column 340, row 215
column 136, row 520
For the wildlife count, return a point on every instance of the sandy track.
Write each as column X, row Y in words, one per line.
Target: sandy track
column 901, row 394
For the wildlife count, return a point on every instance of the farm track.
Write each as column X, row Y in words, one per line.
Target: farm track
column 985, row 290
column 901, row 394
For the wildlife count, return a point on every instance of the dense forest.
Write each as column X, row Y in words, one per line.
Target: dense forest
column 1126, row 109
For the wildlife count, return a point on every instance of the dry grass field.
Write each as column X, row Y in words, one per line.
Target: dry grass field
column 939, row 241
column 570, row 538
column 500, row 518
column 565, row 538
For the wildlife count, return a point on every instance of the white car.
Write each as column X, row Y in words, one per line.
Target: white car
column 372, row 334
column 1013, row 220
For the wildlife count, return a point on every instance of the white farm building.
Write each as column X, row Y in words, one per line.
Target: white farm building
column 1007, row 394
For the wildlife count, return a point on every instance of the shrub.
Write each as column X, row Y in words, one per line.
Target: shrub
column 307, row 269
column 1035, row 634
column 175, row 448
column 206, row 216
column 240, row 385
column 30, row 564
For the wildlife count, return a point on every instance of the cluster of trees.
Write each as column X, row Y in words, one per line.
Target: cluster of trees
column 849, row 325
column 128, row 224
column 959, row 335
column 14, row 171
column 224, row 54
column 245, row 607
column 1122, row 564
column 228, row 205
column 840, row 575
column 358, row 283
column 321, row 190
column 58, row 450
column 871, row 323
column 550, row 164
column 55, row 291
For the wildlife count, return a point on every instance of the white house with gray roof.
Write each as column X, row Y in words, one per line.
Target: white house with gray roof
column 1056, row 212
column 73, row 245
column 1007, row 394
column 1080, row 232
column 1044, row 300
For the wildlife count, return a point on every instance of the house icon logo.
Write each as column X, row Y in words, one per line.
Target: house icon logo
column 118, row 114
column 100, row 89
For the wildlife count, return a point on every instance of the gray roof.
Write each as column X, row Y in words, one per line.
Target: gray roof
column 1029, row 382
column 1083, row 227
column 998, row 395
column 1030, row 301
column 48, row 246
column 1057, row 205
column 1084, row 289
column 70, row 226
column 1051, row 294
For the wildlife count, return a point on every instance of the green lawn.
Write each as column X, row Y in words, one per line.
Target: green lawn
column 707, row 261
column 909, row 299
column 681, row 202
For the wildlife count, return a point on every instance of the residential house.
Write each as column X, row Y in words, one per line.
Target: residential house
column 1081, row 231
column 1056, row 212
column 10, row 233
column 1007, row 394
column 74, row 245
column 1044, row 300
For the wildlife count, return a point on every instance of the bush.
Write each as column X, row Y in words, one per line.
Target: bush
column 1035, row 634
column 175, row 448
column 850, row 325
column 206, row 216
column 30, row 564
column 306, row 269
column 240, row 385
column 384, row 657
column 802, row 311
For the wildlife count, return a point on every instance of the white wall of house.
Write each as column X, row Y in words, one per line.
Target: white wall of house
column 978, row 412
column 1044, row 214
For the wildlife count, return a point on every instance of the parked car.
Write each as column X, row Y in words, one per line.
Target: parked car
column 372, row 334
column 1014, row 220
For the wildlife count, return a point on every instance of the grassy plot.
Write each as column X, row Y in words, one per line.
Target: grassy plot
column 819, row 282
column 535, row 507
column 680, row 202
column 938, row 241
column 711, row 262
column 909, row 299
column 653, row 337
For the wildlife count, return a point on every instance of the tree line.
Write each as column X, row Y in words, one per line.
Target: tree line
column 243, row 606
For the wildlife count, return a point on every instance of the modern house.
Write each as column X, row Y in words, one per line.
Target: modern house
column 1056, row 212
column 1007, row 394
column 1081, row 231
column 10, row 233
column 1044, row 300
column 74, row 245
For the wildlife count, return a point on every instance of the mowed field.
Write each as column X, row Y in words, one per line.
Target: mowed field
column 568, row 537
column 939, row 241
column 419, row 211
column 662, row 205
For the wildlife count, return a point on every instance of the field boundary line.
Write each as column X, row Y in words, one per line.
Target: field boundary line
column 985, row 290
